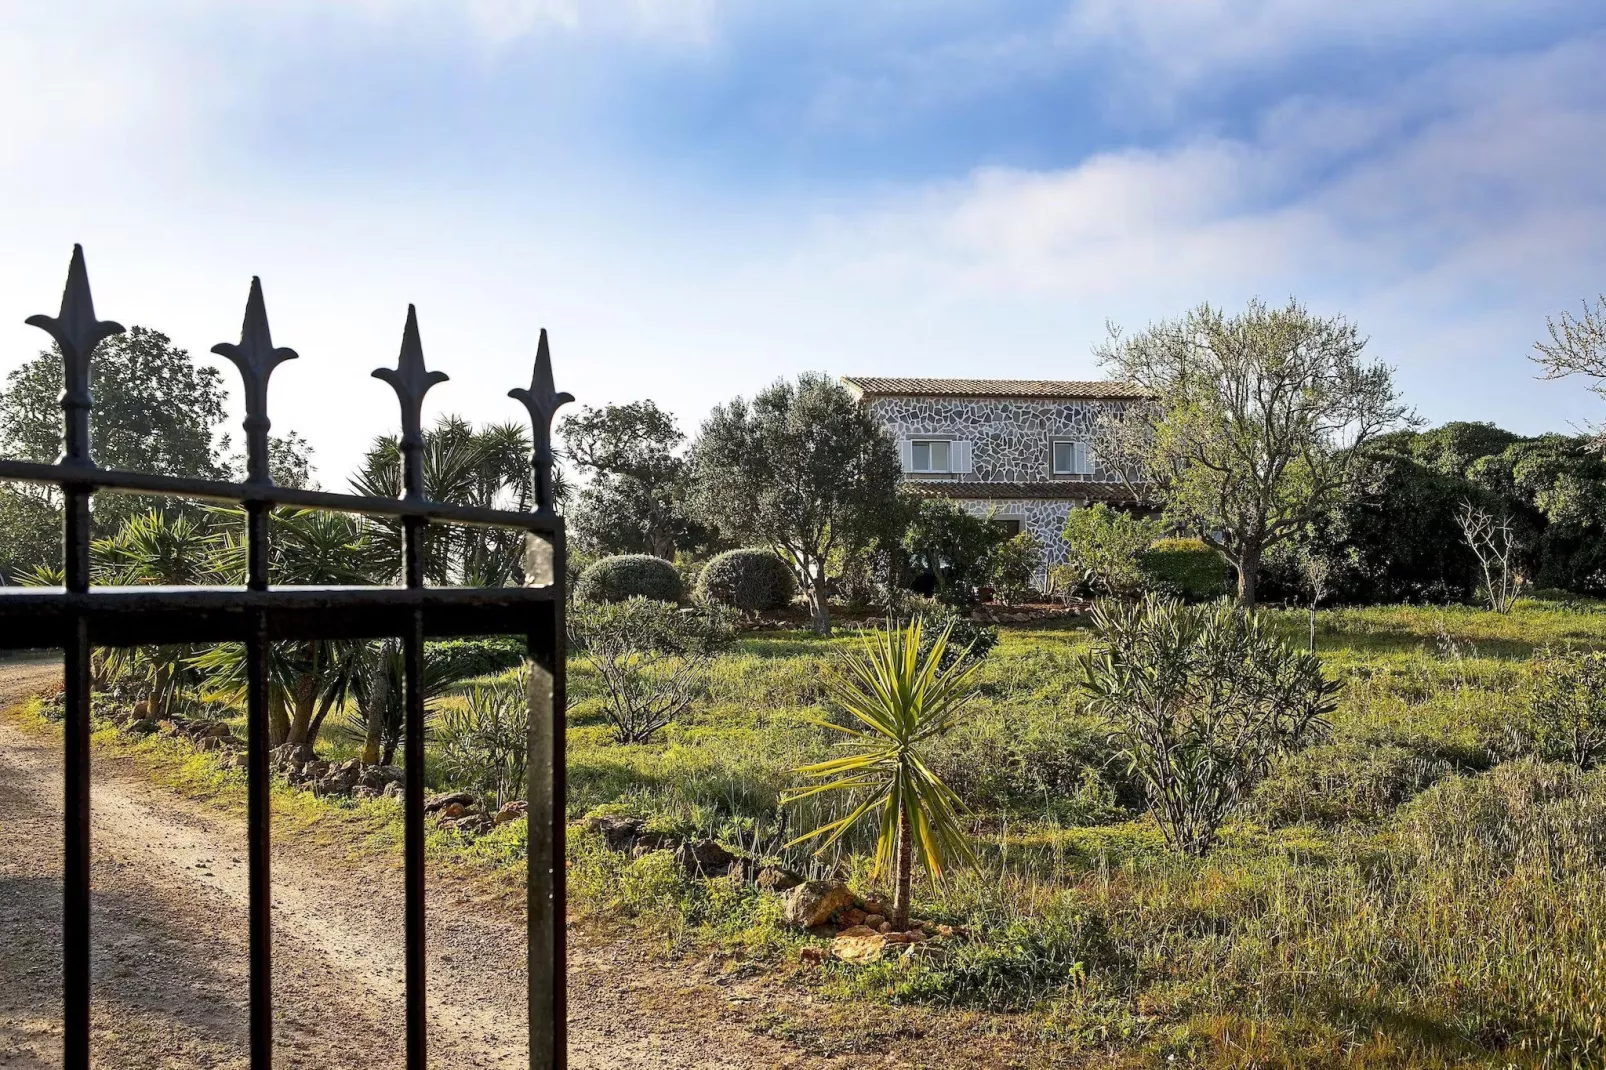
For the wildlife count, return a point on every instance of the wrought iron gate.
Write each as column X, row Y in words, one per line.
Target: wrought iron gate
column 79, row 617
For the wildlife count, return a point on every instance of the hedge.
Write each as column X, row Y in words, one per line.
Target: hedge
column 1186, row 568
column 614, row 579
column 753, row 581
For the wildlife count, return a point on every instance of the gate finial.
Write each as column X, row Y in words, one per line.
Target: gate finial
column 543, row 400
column 77, row 332
column 256, row 358
column 411, row 382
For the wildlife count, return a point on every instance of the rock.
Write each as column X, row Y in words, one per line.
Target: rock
column 460, row 799
column 452, row 811
column 873, row 905
column 143, row 726
column 705, row 858
column 618, row 831
column 512, row 811
column 873, row 920
column 884, row 927
column 142, row 710
column 813, row 902
column 393, row 790
column 852, row 916
column 894, row 937
column 363, row 791
column 316, row 770
column 859, row 944
column 812, row 954
column 776, row 879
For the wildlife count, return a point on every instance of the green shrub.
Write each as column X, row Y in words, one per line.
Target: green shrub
column 1014, row 562
column 614, row 579
column 1202, row 701
column 752, row 581
column 1186, row 569
column 481, row 745
column 1105, row 547
column 652, row 658
column 1567, row 712
column 478, row 657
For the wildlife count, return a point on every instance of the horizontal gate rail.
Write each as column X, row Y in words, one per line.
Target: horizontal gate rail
column 106, row 479
column 78, row 617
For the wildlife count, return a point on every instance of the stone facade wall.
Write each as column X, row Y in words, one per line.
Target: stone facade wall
column 1045, row 519
column 1011, row 436
column 1010, row 443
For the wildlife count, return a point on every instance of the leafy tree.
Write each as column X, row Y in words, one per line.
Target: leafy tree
column 951, row 546
column 1257, row 422
column 635, row 502
column 803, row 468
column 156, row 410
column 1577, row 346
column 1105, row 547
column 901, row 700
column 1202, row 700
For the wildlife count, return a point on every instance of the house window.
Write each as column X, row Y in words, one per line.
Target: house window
column 932, row 456
column 1007, row 526
column 1072, row 458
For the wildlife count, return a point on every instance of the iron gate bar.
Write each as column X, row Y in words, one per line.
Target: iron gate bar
column 118, row 482
column 79, row 617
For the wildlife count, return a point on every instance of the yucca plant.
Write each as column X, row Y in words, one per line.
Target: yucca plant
column 901, row 700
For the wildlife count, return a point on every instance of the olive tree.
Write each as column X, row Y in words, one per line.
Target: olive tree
column 1253, row 424
column 803, row 468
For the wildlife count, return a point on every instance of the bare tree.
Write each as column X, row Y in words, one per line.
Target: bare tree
column 1256, row 423
column 1494, row 541
column 1577, row 346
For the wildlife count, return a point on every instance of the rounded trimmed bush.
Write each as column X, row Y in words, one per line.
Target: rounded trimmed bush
column 1186, row 568
column 753, row 581
column 614, row 579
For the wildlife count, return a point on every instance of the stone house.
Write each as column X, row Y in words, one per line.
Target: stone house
column 1017, row 450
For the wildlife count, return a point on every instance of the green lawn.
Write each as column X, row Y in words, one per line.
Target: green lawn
column 1411, row 892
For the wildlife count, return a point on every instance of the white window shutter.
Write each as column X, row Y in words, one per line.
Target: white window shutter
column 906, row 453
column 961, row 458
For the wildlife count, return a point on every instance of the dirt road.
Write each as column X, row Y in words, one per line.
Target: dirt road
column 170, row 948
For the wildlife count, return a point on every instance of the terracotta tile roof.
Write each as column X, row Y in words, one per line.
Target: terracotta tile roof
column 1041, row 490
column 874, row 386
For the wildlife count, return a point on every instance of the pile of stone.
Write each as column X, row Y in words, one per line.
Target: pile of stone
column 301, row 767
column 860, row 929
column 204, row 734
column 462, row 811
column 699, row 858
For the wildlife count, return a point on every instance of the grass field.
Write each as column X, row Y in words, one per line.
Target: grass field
column 1412, row 892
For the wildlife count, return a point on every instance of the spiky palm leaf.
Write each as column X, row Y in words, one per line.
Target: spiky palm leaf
column 900, row 701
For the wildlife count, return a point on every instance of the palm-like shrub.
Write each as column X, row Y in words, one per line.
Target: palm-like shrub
column 482, row 744
column 752, row 581
column 1202, row 701
column 615, row 579
column 901, row 700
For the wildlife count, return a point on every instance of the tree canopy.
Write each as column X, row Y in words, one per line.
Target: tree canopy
column 1255, row 422
column 803, row 468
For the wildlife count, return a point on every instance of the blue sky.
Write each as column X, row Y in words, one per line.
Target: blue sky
column 699, row 196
